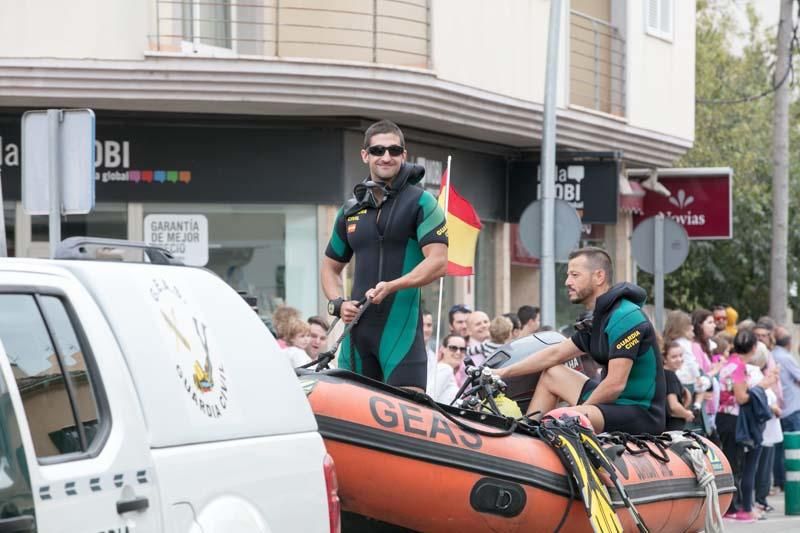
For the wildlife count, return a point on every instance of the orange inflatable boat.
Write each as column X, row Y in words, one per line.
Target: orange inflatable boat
column 404, row 463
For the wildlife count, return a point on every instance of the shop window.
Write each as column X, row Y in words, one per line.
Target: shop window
column 51, row 374
column 109, row 220
column 269, row 252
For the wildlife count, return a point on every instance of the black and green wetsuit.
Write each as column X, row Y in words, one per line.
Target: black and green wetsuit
column 621, row 329
column 387, row 342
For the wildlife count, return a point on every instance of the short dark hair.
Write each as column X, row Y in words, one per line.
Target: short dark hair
column 426, row 312
column 784, row 341
column 319, row 321
column 744, row 341
column 598, row 260
column 383, row 126
column 718, row 307
column 527, row 313
column 514, row 320
column 458, row 308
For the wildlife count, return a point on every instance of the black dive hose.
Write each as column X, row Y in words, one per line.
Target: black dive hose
column 329, row 355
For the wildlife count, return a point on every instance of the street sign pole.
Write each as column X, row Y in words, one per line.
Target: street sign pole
column 658, row 262
column 53, row 125
column 548, row 265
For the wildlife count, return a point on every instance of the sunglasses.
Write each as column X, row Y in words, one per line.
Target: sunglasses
column 378, row 150
column 462, row 349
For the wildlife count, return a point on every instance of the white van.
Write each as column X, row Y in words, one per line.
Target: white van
column 147, row 397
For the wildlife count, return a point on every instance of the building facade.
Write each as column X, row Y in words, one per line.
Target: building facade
column 252, row 113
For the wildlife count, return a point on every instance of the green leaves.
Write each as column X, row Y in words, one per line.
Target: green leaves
column 735, row 272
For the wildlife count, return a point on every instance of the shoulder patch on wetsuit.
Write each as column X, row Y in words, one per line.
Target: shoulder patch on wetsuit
column 431, row 225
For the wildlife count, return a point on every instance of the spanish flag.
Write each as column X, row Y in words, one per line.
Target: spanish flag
column 463, row 226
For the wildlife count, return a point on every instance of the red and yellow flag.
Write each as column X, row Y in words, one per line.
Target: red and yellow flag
column 463, row 226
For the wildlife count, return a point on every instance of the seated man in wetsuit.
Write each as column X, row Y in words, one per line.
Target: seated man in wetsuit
column 630, row 395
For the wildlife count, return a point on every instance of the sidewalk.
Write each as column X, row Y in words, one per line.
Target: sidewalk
column 776, row 521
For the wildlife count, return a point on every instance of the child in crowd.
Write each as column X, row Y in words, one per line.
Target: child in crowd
column 678, row 397
column 298, row 335
column 280, row 321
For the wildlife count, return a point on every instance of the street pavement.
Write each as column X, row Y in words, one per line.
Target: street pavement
column 776, row 521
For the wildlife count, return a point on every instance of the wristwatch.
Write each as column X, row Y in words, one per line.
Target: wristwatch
column 335, row 306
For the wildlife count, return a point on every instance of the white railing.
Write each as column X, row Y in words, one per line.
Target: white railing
column 597, row 64
column 379, row 31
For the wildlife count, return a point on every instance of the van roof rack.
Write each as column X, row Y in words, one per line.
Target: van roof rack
column 100, row 249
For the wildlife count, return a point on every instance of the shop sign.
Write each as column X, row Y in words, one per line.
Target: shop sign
column 184, row 236
column 589, row 184
column 185, row 162
column 700, row 200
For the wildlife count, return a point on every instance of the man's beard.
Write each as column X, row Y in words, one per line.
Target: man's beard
column 581, row 295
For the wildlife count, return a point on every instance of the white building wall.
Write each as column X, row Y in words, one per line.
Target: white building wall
column 661, row 73
column 78, row 29
column 496, row 46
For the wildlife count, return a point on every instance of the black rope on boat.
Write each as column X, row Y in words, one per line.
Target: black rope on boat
column 644, row 444
column 421, row 397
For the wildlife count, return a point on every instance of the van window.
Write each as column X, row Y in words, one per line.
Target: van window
column 40, row 352
column 16, row 498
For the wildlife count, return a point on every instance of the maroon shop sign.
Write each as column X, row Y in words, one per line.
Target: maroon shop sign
column 700, row 200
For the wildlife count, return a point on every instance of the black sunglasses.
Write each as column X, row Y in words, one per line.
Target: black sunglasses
column 378, row 150
column 457, row 348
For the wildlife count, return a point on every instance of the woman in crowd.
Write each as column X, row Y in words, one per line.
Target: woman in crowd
column 703, row 347
column 735, row 391
column 450, row 356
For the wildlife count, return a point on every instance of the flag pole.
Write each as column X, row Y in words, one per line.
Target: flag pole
column 441, row 280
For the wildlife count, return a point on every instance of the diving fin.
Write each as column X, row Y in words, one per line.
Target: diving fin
column 594, row 494
column 599, row 459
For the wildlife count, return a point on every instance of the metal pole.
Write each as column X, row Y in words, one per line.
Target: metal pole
column 54, row 117
column 374, row 31
column 658, row 270
column 548, row 167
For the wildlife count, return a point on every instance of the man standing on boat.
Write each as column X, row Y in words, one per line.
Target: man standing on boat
column 630, row 395
column 397, row 233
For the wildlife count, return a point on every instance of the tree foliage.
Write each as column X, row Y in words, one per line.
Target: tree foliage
column 735, row 271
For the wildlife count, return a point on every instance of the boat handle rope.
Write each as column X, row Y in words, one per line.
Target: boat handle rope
column 644, row 444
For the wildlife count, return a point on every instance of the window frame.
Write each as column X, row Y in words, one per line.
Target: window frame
column 98, row 389
column 658, row 31
column 194, row 44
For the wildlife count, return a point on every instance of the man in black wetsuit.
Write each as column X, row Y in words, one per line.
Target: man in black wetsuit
column 398, row 235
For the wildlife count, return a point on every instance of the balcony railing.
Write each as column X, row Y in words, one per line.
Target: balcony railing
column 394, row 32
column 597, row 65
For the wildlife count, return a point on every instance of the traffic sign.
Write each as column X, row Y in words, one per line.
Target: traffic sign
column 567, row 228
column 675, row 246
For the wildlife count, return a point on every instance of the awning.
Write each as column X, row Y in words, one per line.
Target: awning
column 631, row 196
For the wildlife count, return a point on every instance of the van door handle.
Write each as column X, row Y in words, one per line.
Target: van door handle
column 136, row 504
column 18, row 524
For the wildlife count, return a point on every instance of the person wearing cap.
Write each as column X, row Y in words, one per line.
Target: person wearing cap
column 398, row 235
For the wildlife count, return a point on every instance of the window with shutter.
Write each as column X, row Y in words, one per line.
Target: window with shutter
column 658, row 18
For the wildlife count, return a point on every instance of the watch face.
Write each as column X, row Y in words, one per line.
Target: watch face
column 331, row 307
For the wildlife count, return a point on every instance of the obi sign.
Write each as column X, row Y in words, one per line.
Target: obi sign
column 184, row 236
column 700, row 200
